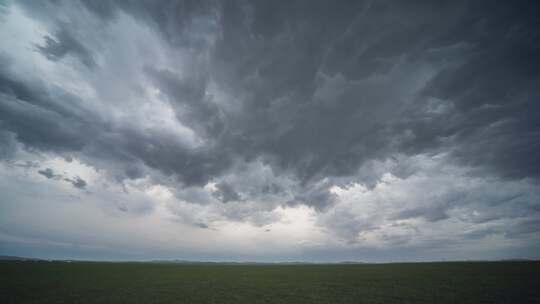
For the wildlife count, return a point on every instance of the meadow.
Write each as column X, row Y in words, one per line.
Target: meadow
column 107, row 282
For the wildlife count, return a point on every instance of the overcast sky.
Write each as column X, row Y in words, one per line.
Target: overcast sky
column 270, row 130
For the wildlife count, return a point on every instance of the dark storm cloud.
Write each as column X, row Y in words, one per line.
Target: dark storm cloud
column 62, row 44
column 407, row 128
column 37, row 127
column 276, row 63
column 318, row 196
column 490, row 91
column 272, row 56
column 50, row 119
column 41, row 117
column 319, row 88
column 188, row 97
column 492, row 117
column 163, row 153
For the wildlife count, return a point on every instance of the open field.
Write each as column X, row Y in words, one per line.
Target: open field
column 97, row 282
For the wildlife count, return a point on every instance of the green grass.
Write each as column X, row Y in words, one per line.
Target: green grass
column 93, row 282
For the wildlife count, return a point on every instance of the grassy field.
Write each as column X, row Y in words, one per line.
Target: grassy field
column 93, row 282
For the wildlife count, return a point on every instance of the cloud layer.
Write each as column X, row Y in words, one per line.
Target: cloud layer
column 317, row 130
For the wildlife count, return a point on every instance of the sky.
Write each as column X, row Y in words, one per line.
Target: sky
column 268, row 131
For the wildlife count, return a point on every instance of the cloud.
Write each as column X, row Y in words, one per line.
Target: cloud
column 225, row 193
column 441, row 200
column 386, row 120
column 319, row 196
column 63, row 44
column 292, row 105
column 49, row 173
column 77, row 182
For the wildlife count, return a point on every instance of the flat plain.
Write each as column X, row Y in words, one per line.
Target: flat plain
column 137, row 282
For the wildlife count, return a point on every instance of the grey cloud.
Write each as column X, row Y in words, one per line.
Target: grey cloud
column 529, row 226
column 258, row 57
column 319, row 197
column 396, row 240
column 104, row 9
column 49, row 173
column 51, row 119
column 490, row 93
column 202, row 225
column 523, row 228
column 188, row 97
column 62, row 44
column 309, row 144
column 172, row 19
column 226, row 193
column 27, row 164
column 440, row 197
column 350, row 227
column 481, row 233
column 271, row 189
column 431, row 214
column 7, row 145
column 41, row 118
column 122, row 207
column 437, row 208
column 319, row 93
column 77, row 182
column 323, row 89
